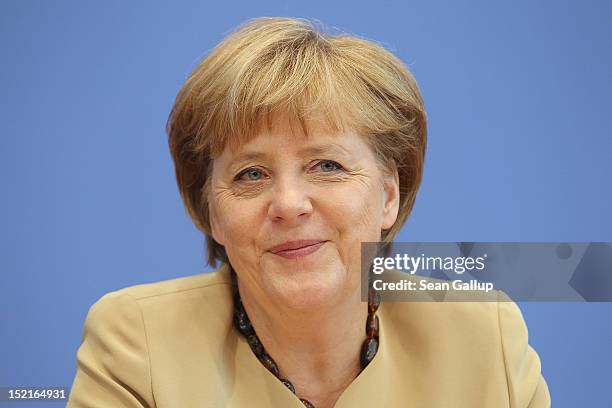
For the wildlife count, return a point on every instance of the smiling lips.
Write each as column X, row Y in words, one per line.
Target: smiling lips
column 297, row 249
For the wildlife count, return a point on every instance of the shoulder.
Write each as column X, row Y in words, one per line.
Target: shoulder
column 166, row 305
column 440, row 307
column 489, row 336
column 170, row 287
column 200, row 286
column 125, row 330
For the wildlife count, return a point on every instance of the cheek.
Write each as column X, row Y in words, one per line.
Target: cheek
column 355, row 214
column 356, row 211
column 239, row 223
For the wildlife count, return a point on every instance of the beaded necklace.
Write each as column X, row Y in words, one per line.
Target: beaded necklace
column 244, row 326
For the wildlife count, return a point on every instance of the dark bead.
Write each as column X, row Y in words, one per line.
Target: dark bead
column 306, row 403
column 235, row 294
column 368, row 351
column 234, row 288
column 373, row 301
column 255, row 344
column 372, row 326
column 267, row 361
column 241, row 320
column 288, row 385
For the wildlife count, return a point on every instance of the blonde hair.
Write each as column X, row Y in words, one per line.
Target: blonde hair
column 280, row 64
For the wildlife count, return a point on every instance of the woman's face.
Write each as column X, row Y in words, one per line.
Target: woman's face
column 292, row 212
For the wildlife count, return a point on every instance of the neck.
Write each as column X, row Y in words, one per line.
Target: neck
column 317, row 350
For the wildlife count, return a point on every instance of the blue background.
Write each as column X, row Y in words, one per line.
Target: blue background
column 520, row 149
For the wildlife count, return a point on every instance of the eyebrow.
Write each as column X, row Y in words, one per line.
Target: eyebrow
column 306, row 151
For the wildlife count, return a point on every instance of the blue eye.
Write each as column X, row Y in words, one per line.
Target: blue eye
column 328, row 165
column 251, row 174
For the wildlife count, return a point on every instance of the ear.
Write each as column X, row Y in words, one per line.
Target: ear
column 391, row 196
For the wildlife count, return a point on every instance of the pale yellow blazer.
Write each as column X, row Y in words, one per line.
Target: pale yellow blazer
column 172, row 344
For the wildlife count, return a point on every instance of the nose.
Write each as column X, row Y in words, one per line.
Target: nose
column 290, row 203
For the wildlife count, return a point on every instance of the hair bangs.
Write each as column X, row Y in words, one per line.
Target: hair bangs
column 302, row 84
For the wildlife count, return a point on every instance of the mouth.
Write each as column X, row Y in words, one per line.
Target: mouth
column 297, row 249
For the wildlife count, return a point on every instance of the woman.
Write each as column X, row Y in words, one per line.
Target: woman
column 291, row 148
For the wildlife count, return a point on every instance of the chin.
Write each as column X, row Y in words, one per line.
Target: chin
column 309, row 290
